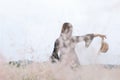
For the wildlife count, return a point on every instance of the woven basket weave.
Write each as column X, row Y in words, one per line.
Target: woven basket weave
column 104, row 47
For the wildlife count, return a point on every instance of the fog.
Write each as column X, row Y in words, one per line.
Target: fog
column 28, row 28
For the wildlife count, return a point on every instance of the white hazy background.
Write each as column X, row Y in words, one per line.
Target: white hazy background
column 28, row 28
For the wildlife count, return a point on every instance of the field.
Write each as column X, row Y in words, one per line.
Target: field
column 48, row 71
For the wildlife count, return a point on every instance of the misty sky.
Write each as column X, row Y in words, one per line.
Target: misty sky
column 28, row 28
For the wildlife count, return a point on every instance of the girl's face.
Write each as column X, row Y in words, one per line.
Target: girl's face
column 67, row 27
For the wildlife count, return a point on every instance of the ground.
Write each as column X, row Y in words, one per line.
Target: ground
column 48, row 71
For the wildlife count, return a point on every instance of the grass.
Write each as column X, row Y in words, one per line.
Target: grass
column 48, row 71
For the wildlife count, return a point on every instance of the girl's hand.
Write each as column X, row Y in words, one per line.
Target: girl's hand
column 101, row 36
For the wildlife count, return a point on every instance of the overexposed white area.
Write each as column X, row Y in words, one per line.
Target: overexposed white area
column 28, row 28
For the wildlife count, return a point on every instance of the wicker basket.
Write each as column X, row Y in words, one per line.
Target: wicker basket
column 104, row 47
